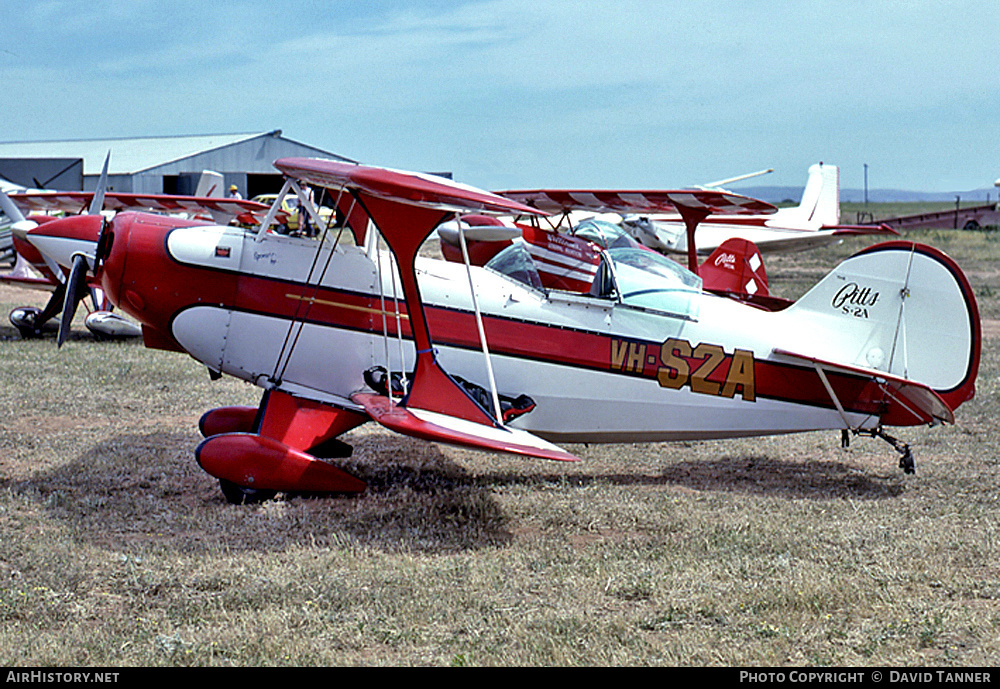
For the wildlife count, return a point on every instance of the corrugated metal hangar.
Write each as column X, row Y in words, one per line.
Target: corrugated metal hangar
column 154, row 165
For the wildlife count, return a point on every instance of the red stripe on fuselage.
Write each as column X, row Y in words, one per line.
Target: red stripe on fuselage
column 538, row 342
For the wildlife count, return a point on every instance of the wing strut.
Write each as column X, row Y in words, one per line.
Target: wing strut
column 497, row 412
column 691, row 217
column 385, row 323
column 273, row 210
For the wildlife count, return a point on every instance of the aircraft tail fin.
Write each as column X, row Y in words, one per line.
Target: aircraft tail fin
column 209, row 185
column 820, row 204
column 901, row 308
column 735, row 267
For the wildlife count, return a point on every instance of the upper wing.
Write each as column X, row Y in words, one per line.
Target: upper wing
column 410, row 188
column 78, row 202
column 639, row 202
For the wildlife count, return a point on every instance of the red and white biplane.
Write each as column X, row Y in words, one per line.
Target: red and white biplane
column 339, row 331
column 30, row 208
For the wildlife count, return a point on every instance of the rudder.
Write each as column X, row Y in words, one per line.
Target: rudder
column 898, row 307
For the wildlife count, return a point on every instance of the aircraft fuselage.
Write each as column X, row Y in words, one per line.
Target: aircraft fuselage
column 279, row 314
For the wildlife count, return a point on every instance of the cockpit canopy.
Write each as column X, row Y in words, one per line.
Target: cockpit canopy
column 602, row 233
column 649, row 280
column 516, row 263
column 630, row 275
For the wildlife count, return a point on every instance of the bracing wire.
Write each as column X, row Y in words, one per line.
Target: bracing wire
column 399, row 335
column 903, row 294
column 304, row 305
column 385, row 322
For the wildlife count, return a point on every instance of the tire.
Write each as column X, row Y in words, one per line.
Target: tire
column 238, row 495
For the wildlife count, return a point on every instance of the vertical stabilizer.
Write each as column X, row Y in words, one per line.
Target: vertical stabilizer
column 209, row 184
column 820, row 204
column 737, row 268
column 898, row 307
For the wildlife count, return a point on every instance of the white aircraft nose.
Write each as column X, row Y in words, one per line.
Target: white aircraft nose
column 60, row 240
column 21, row 228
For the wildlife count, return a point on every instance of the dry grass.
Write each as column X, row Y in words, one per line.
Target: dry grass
column 117, row 550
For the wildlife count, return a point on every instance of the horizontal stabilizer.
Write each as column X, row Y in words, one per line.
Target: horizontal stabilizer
column 28, row 281
column 905, row 396
column 856, row 230
column 438, row 427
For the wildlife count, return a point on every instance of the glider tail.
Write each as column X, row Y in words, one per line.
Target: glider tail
column 820, row 204
column 898, row 308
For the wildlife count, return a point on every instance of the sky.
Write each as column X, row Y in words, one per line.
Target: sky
column 526, row 93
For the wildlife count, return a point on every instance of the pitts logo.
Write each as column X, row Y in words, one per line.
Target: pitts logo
column 854, row 300
column 726, row 261
column 705, row 368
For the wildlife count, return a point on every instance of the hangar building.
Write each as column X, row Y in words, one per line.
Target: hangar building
column 155, row 165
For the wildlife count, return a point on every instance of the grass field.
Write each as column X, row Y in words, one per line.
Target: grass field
column 117, row 550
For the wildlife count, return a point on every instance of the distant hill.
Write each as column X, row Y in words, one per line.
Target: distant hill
column 780, row 194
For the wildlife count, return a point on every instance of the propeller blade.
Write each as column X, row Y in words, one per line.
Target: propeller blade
column 97, row 203
column 103, row 245
column 75, row 289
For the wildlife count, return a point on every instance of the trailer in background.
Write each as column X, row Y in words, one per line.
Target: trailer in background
column 971, row 218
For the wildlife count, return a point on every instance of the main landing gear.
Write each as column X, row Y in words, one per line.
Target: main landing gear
column 279, row 447
column 906, row 462
column 27, row 321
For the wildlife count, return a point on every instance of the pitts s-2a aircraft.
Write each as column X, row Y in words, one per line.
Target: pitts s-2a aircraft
column 340, row 332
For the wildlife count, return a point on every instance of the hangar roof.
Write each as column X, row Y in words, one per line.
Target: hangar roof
column 132, row 154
